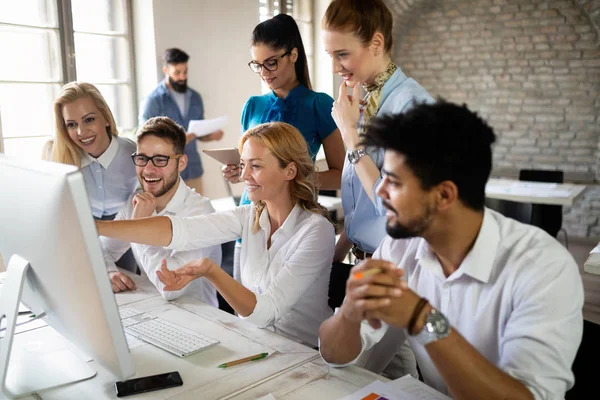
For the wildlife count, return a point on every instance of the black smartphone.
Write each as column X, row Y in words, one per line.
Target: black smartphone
column 148, row 384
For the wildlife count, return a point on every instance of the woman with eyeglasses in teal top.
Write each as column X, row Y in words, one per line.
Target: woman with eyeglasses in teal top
column 278, row 57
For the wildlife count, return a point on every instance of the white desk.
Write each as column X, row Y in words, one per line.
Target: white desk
column 592, row 264
column 563, row 194
column 313, row 380
column 227, row 203
column 290, row 371
column 330, row 203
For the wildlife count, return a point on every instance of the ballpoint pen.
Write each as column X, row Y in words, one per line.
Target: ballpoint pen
column 243, row 360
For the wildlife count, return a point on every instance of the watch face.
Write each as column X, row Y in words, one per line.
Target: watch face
column 355, row 155
column 436, row 327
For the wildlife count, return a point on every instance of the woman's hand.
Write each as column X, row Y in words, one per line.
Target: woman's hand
column 179, row 278
column 233, row 173
column 346, row 114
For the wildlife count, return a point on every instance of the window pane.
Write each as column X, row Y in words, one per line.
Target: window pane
column 289, row 7
column 42, row 50
column 302, row 10
column 101, row 58
column 29, row 12
column 120, row 101
column 30, row 148
column 26, row 109
column 99, row 15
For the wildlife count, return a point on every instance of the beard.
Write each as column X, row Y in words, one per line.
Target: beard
column 169, row 183
column 415, row 228
column 178, row 86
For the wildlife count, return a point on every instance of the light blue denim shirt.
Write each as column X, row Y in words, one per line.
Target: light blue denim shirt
column 160, row 103
column 111, row 178
column 364, row 221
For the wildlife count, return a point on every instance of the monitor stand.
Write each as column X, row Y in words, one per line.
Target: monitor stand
column 31, row 365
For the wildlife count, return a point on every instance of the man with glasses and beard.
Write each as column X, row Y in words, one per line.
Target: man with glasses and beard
column 490, row 306
column 159, row 161
column 174, row 99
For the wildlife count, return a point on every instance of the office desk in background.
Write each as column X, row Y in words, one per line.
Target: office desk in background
column 560, row 194
column 291, row 369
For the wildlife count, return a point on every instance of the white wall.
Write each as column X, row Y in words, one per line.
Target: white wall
column 322, row 77
column 216, row 35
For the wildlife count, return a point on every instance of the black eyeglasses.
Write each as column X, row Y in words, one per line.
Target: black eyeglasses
column 158, row 161
column 270, row 65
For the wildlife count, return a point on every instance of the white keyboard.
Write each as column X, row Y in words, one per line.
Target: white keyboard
column 164, row 334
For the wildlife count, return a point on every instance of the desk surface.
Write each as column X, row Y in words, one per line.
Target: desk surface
column 290, row 371
column 312, row 380
column 563, row 194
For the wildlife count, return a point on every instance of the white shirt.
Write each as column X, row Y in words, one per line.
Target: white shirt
column 185, row 203
column 111, row 178
column 290, row 279
column 516, row 297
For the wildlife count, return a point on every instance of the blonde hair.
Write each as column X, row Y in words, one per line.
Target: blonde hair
column 64, row 149
column 288, row 145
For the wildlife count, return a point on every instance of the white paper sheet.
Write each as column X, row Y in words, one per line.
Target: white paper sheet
column 203, row 127
column 405, row 388
column 417, row 389
column 267, row 397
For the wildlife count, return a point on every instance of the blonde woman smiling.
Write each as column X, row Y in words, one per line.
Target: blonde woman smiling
column 87, row 137
column 287, row 240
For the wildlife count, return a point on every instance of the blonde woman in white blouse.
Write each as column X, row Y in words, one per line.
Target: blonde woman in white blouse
column 287, row 239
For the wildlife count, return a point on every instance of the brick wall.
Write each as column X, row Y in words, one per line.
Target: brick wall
column 530, row 67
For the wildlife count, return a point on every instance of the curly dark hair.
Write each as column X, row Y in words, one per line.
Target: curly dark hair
column 440, row 141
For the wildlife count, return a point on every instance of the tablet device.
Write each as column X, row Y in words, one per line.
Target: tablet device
column 224, row 156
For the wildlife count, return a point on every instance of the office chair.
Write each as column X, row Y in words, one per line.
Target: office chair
column 545, row 216
column 511, row 209
column 340, row 272
column 227, row 256
column 587, row 356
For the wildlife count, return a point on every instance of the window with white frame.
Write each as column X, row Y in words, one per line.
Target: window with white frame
column 47, row 43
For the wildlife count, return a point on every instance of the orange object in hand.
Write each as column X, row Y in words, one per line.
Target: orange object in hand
column 369, row 272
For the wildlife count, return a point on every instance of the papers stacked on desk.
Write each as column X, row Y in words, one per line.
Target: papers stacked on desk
column 592, row 264
column 528, row 189
column 405, row 388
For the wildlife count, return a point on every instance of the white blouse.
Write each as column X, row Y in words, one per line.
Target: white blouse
column 290, row 279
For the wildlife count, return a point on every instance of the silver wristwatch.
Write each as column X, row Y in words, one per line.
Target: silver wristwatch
column 436, row 327
column 355, row 155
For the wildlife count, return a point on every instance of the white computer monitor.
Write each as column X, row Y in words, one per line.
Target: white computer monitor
column 51, row 249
